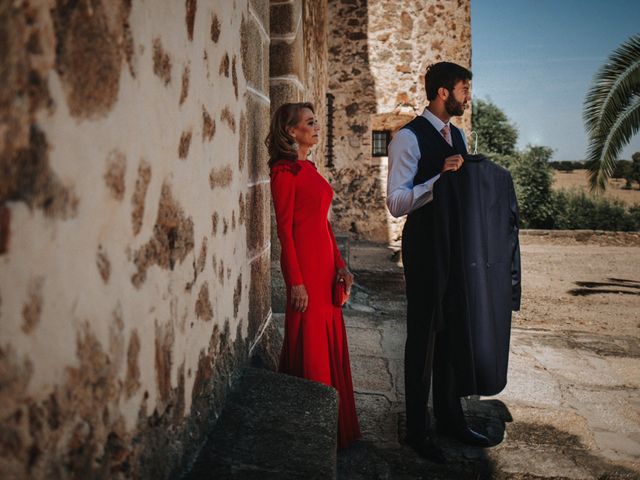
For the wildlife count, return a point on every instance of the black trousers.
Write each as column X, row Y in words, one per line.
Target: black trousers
column 427, row 355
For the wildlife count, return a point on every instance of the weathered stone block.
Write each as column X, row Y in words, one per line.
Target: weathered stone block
column 266, row 353
column 278, row 288
column 258, row 222
column 259, row 117
column 261, row 9
column 283, row 91
column 365, row 341
column 273, row 426
column 252, row 52
column 259, row 294
column 285, row 18
column 287, row 58
column 371, row 374
column 266, row 56
column 275, row 241
column 381, row 421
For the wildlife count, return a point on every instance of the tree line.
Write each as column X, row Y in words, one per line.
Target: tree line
column 628, row 170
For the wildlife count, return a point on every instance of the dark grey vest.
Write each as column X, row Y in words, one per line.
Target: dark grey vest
column 433, row 150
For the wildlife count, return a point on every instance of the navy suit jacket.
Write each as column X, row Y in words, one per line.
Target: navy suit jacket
column 476, row 270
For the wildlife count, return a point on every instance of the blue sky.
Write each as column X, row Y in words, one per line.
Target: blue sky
column 536, row 59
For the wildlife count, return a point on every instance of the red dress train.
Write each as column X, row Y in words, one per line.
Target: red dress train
column 315, row 341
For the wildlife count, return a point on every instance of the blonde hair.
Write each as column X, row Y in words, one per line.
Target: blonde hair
column 279, row 143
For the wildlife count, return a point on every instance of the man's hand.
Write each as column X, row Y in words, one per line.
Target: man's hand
column 299, row 298
column 452, row 163
column 345, row 275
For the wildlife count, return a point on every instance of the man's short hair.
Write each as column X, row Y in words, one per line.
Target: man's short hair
column 444, row 74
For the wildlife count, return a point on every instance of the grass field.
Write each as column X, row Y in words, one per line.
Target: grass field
column 578, row 179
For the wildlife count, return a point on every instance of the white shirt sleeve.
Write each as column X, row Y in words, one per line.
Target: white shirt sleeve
column 402, row 196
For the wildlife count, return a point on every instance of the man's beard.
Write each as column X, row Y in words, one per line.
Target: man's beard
column 453, row 107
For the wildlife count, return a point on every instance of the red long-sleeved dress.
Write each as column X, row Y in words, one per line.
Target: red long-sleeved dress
column 315, row 341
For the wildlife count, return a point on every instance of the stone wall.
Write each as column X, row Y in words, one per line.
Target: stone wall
column 134, row 228
column 298, row 66
column 298, row 71
column 378, row 53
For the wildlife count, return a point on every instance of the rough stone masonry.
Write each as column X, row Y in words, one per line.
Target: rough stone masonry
column 134, row 228
column 379, row 51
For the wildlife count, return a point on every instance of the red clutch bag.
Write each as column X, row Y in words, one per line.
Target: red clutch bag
column 340, row 295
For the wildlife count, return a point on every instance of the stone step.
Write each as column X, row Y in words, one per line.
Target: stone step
column 272, row 426
column 370, row 286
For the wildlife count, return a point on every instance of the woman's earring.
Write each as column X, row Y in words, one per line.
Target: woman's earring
column 294, row 145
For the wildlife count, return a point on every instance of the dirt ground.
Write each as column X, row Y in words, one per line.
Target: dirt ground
column 591, row 285
column 571, row 408
column 578, row 179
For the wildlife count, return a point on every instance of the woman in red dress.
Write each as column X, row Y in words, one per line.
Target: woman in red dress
column 315, row 341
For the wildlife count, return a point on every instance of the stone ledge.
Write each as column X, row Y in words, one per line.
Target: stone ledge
column 600, row 237
column 272, row 426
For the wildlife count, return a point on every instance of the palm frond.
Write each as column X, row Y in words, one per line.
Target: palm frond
column 604, row 149
column 602, row 117
column 612, row 111
column 614, row 84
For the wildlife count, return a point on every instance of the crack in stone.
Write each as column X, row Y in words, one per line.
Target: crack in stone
column 374, row 394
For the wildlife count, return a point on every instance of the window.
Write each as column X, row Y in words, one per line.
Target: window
column 381, row 139
column 330, row 110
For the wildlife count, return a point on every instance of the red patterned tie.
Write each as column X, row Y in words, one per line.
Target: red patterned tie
column 446, row 133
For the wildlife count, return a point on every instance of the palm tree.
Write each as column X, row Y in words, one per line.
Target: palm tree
column 612, row 111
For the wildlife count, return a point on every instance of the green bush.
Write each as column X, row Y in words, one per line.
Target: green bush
column 633, row 175
column 634, row 213
column 575, row 209
column 496, row 133
column 622, row 169
column 532, row 178
column 567, row 165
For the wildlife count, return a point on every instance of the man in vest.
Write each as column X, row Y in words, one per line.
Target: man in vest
column 419, row 153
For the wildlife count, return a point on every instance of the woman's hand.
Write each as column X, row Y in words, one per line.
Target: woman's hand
column 299, row 298
column 346, row 277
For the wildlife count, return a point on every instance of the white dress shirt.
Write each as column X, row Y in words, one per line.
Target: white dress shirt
column 402, row 196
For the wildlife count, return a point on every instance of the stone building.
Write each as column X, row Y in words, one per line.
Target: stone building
column 134, row 221
column 378, row 53
column 135, row 244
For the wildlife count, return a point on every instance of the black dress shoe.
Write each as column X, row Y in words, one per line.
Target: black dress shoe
column 464, row 435
column 425, row 448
